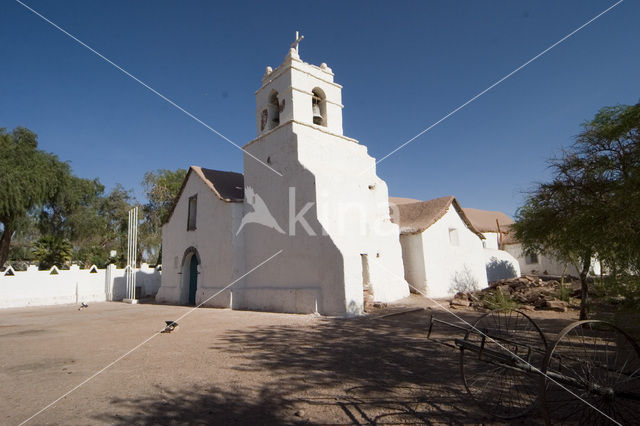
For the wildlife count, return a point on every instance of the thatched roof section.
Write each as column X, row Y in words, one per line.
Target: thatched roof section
column 485, row 220
column 402, row 200
column 227, row 186
column 419, row 216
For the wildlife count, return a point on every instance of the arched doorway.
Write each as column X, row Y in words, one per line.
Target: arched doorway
column 190, row 263
column 193, row 280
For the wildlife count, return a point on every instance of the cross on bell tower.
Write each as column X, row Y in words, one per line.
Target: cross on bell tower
column 297, row 41
column 299, row 92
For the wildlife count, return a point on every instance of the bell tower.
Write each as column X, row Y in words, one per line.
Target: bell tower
column 299, row 92
column 322, row 191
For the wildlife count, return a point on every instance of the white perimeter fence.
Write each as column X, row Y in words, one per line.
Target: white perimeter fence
column 75, row 285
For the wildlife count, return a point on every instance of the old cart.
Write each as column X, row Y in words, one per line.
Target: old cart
column 590, row 374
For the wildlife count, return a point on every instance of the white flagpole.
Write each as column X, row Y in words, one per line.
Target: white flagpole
column 132, row 244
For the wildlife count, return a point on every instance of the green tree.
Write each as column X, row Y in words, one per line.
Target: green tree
column 24, row 238
column 161, row 188
column 114, row 207
column 51, row 250
column 29, row 178
column 100, row 226
column 610, row 146
column 591, row 207
column 71, row 213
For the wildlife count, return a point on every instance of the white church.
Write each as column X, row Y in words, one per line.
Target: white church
column 306, row 228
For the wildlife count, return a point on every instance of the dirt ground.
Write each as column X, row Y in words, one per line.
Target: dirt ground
column 234, row 367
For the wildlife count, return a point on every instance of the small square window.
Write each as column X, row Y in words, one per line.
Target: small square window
column 193, row 207
column 531, row 258
column 453, row 237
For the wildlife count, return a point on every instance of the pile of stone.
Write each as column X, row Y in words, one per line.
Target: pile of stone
column 531, row 293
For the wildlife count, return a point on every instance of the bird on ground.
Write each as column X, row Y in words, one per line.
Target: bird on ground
column 82, row 306
column 171, row 325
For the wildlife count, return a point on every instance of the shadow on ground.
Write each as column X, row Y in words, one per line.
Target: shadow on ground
column 198, row 405
column 346, row 371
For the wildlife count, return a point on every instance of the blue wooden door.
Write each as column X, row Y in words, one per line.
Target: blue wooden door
column 193, row 279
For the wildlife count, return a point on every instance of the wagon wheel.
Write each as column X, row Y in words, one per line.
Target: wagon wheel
column 598, row 363
column 499, row 359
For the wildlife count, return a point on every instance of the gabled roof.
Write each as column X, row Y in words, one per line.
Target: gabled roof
column 402, row 200
column 485, row 220
column 227, row 186
column 419, row 216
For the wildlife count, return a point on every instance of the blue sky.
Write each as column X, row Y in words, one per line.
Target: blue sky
column 403, row 65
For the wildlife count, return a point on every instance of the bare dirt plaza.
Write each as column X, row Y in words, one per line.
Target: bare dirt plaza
column 230, row 367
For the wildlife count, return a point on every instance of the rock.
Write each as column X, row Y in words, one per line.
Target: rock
column 459, row 302
column 520, row 283
column 461, row 295
column 528, row 308
column 519, row 297
column 505, row 288
column 530, row 296
column 556, row 305
column 540, row 304
column 299, row 413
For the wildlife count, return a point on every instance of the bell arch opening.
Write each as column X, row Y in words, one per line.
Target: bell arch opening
column 274, row 110
column 319, row 107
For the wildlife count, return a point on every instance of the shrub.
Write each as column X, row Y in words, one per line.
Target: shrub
column 499, row 301
column 463, row 281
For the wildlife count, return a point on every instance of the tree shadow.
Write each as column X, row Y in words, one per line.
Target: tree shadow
column 198, row 405
column 499, row 270
column 347, row 371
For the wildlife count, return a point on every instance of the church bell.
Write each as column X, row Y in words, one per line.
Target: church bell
column 317, row 116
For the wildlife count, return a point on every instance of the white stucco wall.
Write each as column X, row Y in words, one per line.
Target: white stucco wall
column 500, row 265
column 42, row 288
column 448, row 265
column 414, row 262
column 353, row 209
column 321, row 271
column 491, row 240
column 546, row 265
column 213, row 240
